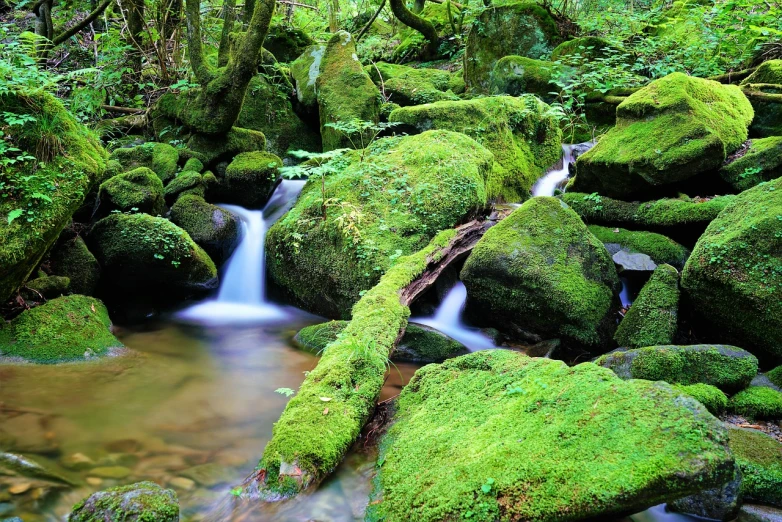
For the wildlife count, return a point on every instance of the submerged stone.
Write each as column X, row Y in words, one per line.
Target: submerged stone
column 757, row 513
column 653, row 317
column 140, row 502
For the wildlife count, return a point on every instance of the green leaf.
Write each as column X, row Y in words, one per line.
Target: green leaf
column 14, row 214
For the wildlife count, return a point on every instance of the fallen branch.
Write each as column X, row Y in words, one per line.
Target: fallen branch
column 60, row 38
column 735, row 76
column 124, row 110
column 371, row 21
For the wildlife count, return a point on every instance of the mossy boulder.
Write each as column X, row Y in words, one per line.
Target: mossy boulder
column 521, row 29
column 161, row 158
column 765, row 99
column 40, row 198
column 139, row 190
column 186, row 182
column 214, row 229
column 662, row 249
column 762, row 161
column 760, row 459
column 410, row 86
column 734, row 276
column 775, row 376
column 653, row 317
column 286, row 43
column 193, row 164
column 769, row 71
column 667, row 132
column 344, row 90
column 539, row 274
column 72, row 259
column 586, row 47
column 45, row 287
column 496, row 435
column 515, row 75
column 140, row 502
column 141, row 254
column 727, row 367
column 524, row 138
column 710, row 396
column 757, row 402
column 213, row 149
column 390, row 204
column 305, row 71
column 69, row 328
column 249, row 179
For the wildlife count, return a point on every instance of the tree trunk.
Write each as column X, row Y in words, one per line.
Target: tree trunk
column 229, row 15
column 420, row 24
column 418, row 6
column 247, row 14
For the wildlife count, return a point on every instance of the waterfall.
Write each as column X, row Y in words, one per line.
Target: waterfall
column 547, row 184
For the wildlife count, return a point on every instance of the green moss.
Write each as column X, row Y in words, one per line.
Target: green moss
column 539, row 270
column 661, row 249
column 708, row 395
column 410, row 86
column 515, row 75
column 760, row 459
column 757, row 402
column 64, row 329
column 456, row 82
column 775, row 376
column 734, row 275
column 186, row 182
column 390, row 204
column 728, row 368
column 73, row 260
column 761, row 162
column 250, row 179
column 214, row 149
column 525, row 140
column 316, row 337
column 286, row 43
column 193, row 164
column 212, row 228
column 495, row 435
column 162, row 158
column 670, row 130
column 767, row 72
column 139, row 190
column 140, row 502
column 47, row 287
column 588, row 47
column 652, row 318
column 305, row 71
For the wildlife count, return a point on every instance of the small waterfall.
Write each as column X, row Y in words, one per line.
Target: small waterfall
column 546, row 185
column 447, row 319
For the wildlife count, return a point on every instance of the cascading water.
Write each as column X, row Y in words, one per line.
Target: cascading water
column 546, row 185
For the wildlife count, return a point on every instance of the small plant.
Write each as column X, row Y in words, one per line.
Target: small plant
column 360, row 133
column 285, row 391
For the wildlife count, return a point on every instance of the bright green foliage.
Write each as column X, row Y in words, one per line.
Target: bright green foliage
column 344, row 90
column 456, row 83
column 515, row 75
column 161, row 158
column 661, row 249
column 761, row 162
column 139, row 190
column 757, row 402
column 212, row 228
column 539, row 270
column 652, row 318
column 305, row 71
column 760, row 459
column 313, row 434
column 250, row 179
column 496, row 435
column 521, row 29
column 68, row 328
column 73, row 260
column 710, row 396
column 140, row 502
column 589, row 47
column 349, row 227
column 768, row 72
column 734, row 275
column 222, row 148
column 728, row 368
column 672, row 129
column 186, row 182
column 43, row 183
column 317, row 337
column 525, row 139
column 286, row 43
column 409, row 86
column 775, row 376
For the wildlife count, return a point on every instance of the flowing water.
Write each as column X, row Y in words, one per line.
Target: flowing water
column 555, row 178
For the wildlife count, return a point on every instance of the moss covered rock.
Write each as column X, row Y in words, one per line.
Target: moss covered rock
column 760, row 459
column 249, row 179
column 661, row 249
column 586, row 47
column 670, row 130
column 390, row 204
column 775, row 376
column 193, row 164
column 540, row 274
column 305, row 71
column 761, row 162
column 765, row 99
column 46, row 287
column 214, row 229
column 757, row 402
column 286, row 43
column 186, row 182
column 213, row 149
column 525, row 140
column 710, row 396
column 728, row 368
column 149, row 255
column 140, row 502
column 652, row 318
column 161, row 158
column 769, row 71
column 72, row 259
column 734, row 275
column 515, row 75
column 40, row 198
column 139, row 190
column 521, row 29
column 410, row 86
column 69, row 328
column 496, row 435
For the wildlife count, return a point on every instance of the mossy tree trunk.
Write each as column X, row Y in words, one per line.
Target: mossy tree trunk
column 229, row 15
column 418, row 6
column 420, row 24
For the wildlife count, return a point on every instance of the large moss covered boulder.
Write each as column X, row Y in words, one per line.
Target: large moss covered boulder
column 57, row 162
column 285, row 42
column 734, row 275
column 161, row 158
column 305, row 71
column 540, row 274
column 390, row 204
column 727, row 367
column 762, row 161
column 652, row 318
column 249, row 179
column 69, row 328
column 214, row 149
column 522, row 29
column 496, row 435
column 515, row 75
column 214, row 229
column 139, row 190
column 410, row 86
column 141, row 254
column 757, row 402
column 760, row 459
column 674, row 128
column 525, row 139
column 72, row 259
column 769, row 71
column 140, row 502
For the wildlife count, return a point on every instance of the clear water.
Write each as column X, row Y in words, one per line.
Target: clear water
column 547, row 184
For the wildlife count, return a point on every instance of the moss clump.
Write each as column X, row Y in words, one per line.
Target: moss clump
column 757, row 402
column 72, row 259
column 186, row 182
column 345, row 92
column 521, row 29
column 708, row 395
column 390, row 204
column 161, row 158
column 68, row 328
column 768, row 110
column 652, row 318
column 193, row 164
column 305, row 71
column 214, row 149
column 140, row 502
column 524, row 139
column 775, row 376
column 728, row 368
column 767, row 72
column 47, row 287
column 286, row 43
column 661, row 249
column 317, row 337
column 734, row 275
column 760, row 459
column 515, row 75
column 496, row 435
column 587, row 47
column 410, row 86
column 670, row 130
column 212, row 228
column 250, row 179
column 148, row 255
column 139, row 190
column 761, row 162
column 540, row 271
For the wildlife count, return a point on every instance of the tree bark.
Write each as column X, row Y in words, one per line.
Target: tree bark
column 420, row 24
column 60, row 38
column 418, row 6
column 229, row 15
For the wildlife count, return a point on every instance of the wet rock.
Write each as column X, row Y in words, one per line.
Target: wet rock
column 77, row 462
column 720, row 503
column 249, row 179
column 123, row 446
column 634, row 261
column 214, row 229
column 27, row 467
column 181, row 483
column 110, row 472
column 756, row 513
column 141, row 502
column 661, row 249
